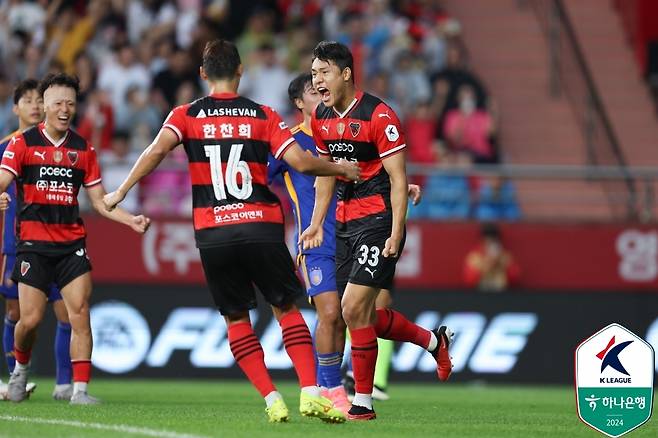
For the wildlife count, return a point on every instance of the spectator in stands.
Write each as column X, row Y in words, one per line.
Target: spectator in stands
column 116, row 163
column 266, row 80
column 409, row 82
column 179, row 70
column 142, row 113
column 470, row 128
column 420, row 128
column 97, row 123
column 447, row 82
column 73, row 32
column 8, row 121
column 496, row 200
column 447, row 194
column 379, row 85
column 490, row 267
column 258, row 33
column 117, row 77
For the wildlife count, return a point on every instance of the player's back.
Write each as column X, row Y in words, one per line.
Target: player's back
column 227, row 139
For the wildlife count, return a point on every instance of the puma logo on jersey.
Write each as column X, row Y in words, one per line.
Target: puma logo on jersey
column 41, row 155
column 326, row 129
column 384, row 115
column 372, row 273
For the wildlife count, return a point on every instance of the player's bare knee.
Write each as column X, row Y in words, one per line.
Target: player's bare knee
column 329, row 315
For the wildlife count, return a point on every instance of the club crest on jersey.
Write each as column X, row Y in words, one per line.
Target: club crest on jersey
column 73, row 157
column 355, row 127
column 340, row 127
column 315, row 276
column 57, row 156
column 25, row 266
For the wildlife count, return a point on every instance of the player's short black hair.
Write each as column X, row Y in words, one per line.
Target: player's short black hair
column 221, row 59
column 23, row 87
column 59, row 79
column 297, row 87
column 339, row 54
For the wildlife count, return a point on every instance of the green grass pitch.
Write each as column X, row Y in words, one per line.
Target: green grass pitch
column 178, row 408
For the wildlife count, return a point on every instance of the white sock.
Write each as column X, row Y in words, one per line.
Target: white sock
column 313, row 391
column 364, row 400
column 79, row 387
column 272, row 397
column 433, row 342
column 62, row 387
column 21, row 366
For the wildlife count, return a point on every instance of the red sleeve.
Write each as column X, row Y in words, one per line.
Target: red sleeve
column 92, row 169
column 176, row 121
column 386, row 131
column 278, row 134
column 12, row 158
column 317, row 138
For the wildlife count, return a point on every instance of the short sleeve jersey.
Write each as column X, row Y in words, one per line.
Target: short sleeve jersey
column 9, row 215
column 49, row 175
column 227, row 139
column 366, row 133
column 301, row 192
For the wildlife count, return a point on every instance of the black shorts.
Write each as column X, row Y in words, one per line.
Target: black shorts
column 232, row 270
column 359, row 259
column 42, row 271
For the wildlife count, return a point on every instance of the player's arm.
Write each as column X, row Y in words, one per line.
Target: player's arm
column 152, row 156
column 138, row 223
column 324, row 191
column 309, row 164
column 395, row 167
column 6, row 177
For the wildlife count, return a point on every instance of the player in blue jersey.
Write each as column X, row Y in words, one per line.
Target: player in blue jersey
column 28, row 106
column 318, row 265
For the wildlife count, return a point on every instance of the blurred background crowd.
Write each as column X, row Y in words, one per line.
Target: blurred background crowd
column 136, row 59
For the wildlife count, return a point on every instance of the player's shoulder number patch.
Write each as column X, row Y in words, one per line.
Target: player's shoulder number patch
column 392, row 133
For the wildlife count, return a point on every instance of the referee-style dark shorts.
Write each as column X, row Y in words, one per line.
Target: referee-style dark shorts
column 359, row 259
column 233, row 270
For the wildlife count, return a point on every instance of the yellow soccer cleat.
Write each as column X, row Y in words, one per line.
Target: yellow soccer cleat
column 319, row 407
column 278, row 412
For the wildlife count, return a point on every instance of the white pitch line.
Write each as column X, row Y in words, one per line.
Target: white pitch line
column 100, row 426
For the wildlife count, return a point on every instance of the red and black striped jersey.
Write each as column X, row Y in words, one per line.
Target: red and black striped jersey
column 227, row 139
column 48, row 178
column 366, row 133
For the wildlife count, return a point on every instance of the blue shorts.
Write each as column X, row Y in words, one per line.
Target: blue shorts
column 319, row 273
column 11, row 292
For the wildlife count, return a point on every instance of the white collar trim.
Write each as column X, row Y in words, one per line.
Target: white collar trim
column 349, row 108
column 55, row 143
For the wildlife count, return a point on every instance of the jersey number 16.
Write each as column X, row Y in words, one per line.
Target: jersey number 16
column 234, row 167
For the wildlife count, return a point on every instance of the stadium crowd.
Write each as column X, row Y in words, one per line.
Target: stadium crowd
column 137, row 59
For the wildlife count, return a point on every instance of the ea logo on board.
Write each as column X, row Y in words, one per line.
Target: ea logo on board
column 121, row 337
column 614, row 380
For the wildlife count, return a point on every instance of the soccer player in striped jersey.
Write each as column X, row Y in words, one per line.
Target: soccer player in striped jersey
column 352, row 125
column 28, row 106
column 50, row 163
column 238, row 221
column 317, row 266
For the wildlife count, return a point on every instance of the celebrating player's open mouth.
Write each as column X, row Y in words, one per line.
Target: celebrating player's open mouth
column 328, row 79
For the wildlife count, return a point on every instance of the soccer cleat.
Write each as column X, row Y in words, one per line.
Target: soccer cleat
column 82, row 398
column 338, row 397
column 319, row 407
column 360, row 413
column 17, row 387
column 3, row 391
column 379, row 393
column 443, row 360
column 278, row 412
column 63, row 392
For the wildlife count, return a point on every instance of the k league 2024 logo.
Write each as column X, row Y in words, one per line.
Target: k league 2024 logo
column 614, row 380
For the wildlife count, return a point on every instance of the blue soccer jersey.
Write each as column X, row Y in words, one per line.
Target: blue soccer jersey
column 9, row 215
column 301, row 191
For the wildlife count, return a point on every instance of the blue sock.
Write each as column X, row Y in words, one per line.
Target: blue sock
column 329, row 366
column 8, row 343
column 63, row 353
